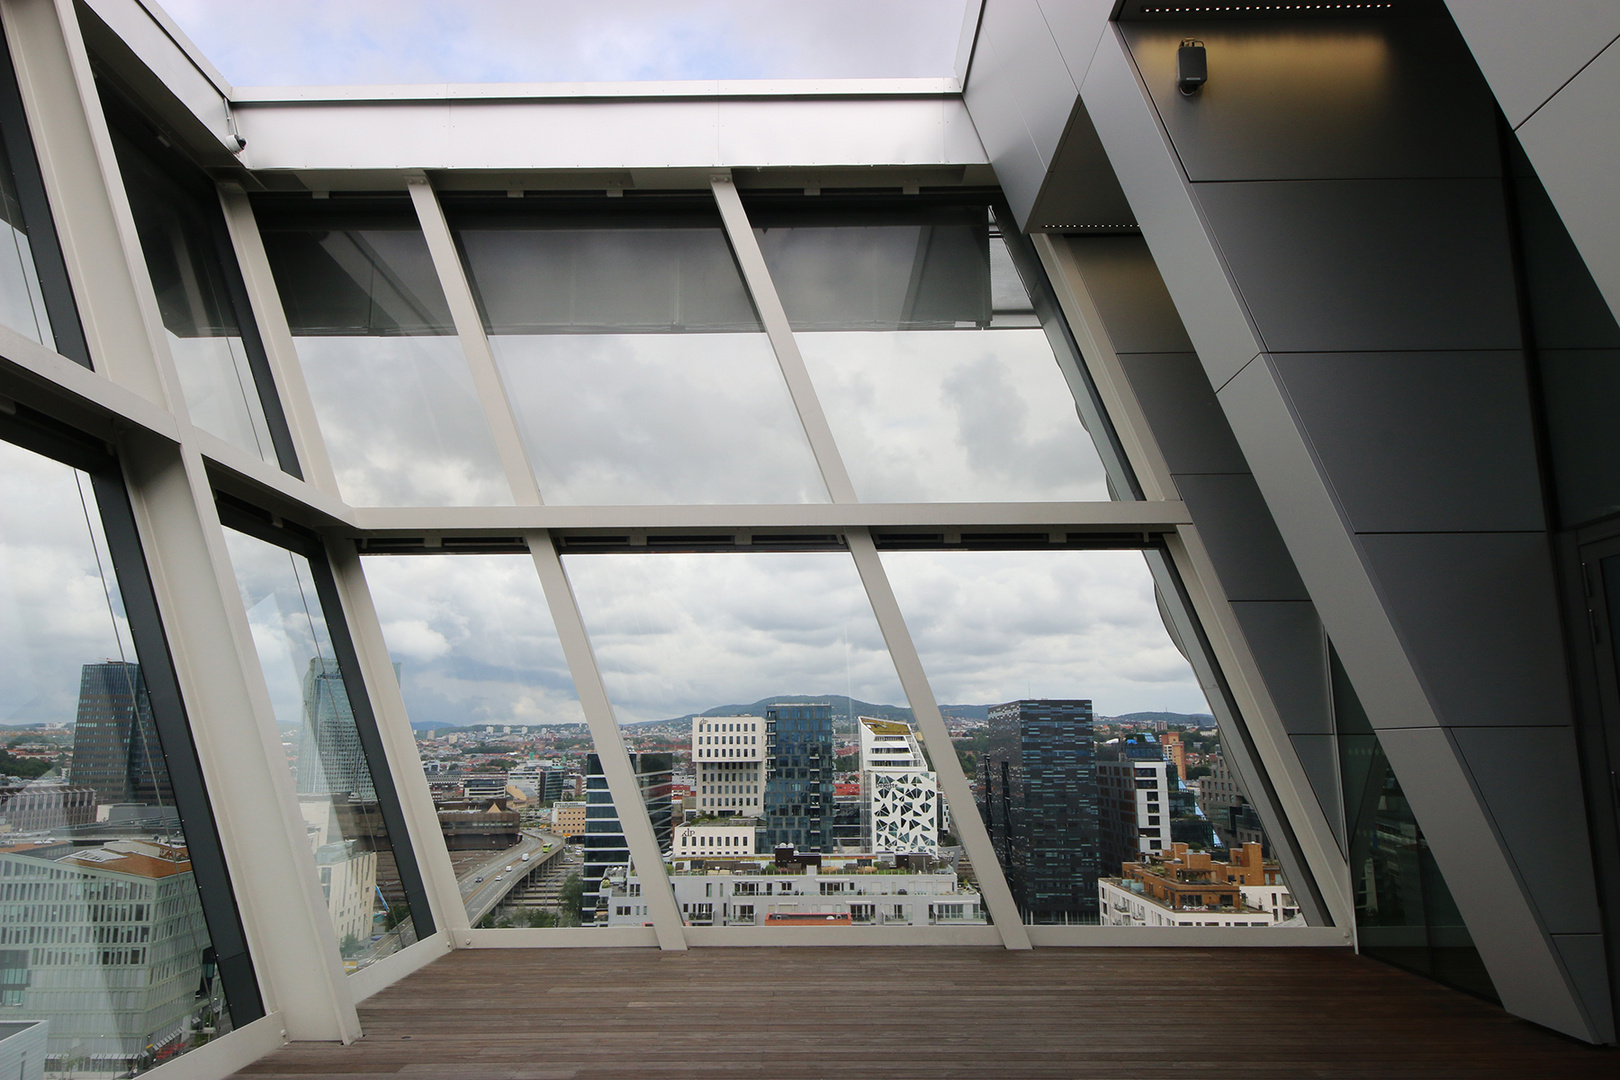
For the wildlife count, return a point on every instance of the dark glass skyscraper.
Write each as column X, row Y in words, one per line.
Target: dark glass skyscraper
column 115, row 744
column 604, row 836
column 331, row 760
column 799, row 776
column 1039, row 801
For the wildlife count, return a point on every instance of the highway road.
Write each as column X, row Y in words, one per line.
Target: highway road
column 481, row 897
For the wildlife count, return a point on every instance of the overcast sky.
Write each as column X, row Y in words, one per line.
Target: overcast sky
column 318, row 42
column 684, row 633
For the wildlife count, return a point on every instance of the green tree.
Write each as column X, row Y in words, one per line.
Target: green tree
column 572, row 897
column 351, row 946
column 1198, row 771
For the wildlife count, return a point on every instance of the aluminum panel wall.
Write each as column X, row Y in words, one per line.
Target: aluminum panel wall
column 1529, row 51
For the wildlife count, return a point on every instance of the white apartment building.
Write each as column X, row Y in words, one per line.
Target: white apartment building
column 1121, row 905
column 899, row 793
column 116, row 964
column 707, row 838
column 744, row 893
column 728, row 757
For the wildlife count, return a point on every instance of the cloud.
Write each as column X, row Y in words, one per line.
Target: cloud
column 56, row 614
column 314, row 42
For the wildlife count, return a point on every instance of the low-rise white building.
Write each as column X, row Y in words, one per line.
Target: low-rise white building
column 852, row 891
column 1122, row 905
column 704, row 838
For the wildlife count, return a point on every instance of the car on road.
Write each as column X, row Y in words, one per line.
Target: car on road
column 508, row 868
column 525, row 856
column 477, row 879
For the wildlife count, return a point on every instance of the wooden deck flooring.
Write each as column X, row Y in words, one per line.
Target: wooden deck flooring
column 897, row 1013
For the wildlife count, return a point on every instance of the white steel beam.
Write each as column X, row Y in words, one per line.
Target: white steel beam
column 745, row 245
column 426, row 838
column 280, row 349
column 931, row 727
column 610, row 751
column 1109, row 517
column 486, row 376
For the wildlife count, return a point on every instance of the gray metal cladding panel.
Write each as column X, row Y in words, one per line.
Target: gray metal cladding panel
column 1313, row 101
column 1248, row 552
column 1286, row 640
column 1032, row 69
column 991, row 100
column 1580, row 390
column 1183, row 413
column 1421, row 442
column 1124, row 283
column 1319, row 758
column 1528, row 51
column 1530, row 781
column 1478, row 617
column 1586, row 964
column 1369, row 265
column 1081, row 188
column 1076, row 26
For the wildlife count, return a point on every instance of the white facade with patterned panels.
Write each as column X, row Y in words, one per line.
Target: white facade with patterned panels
column 900, row 794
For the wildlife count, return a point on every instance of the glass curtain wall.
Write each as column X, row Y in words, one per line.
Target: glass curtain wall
column 1092, row 753
column 509, row 759
column 1405, row 914
column 216, row 348
column 922, row 342
column 105, row 930
column 368, row 885
column 631, row 353
column 33, row 279
column 392, row 391
column 765, row 677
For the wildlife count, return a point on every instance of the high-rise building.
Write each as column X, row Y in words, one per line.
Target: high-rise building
column 604, row 836
column 899, row 792
column 331, row 760
column 116, row 752
column 1039, row 802
column 799, row 784
column 728, row 758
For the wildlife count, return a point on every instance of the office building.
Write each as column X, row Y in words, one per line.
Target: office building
column 116, row 752
column 330, row 759
column 729, row 759
column 1038, row 797
column 799, row 787
column 1274, row 344
column 899, row 793
column 705, row 837
column 1192, row 888
column 605, row 841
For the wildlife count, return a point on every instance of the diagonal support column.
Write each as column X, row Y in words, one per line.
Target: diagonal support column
column 621, row 779
column 931, row 726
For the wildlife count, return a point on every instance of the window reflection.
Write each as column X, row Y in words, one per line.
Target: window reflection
column 1092, row 753
column 182, row 232
column 632, row 356
column 935, row 375
column 103, row 941
column 800, row 774
column 371, row 326
column 337, row 795
column 22, row 306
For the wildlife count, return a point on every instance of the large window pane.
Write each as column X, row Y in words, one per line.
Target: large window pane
column 22, row 304
column 935, row 375
column 337, row 792
column 633, row 358
column 392, row 390
column 1087, row 740
column 499, row 728
column 764, row 669
column 103, row 939
column 181, row 230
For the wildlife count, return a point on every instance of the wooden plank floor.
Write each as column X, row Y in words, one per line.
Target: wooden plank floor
column 896, row 1013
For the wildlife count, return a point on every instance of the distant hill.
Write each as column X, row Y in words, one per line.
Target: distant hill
column 1197, row 720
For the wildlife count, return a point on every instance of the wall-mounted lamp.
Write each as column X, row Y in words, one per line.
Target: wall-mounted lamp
column 1192, row 66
